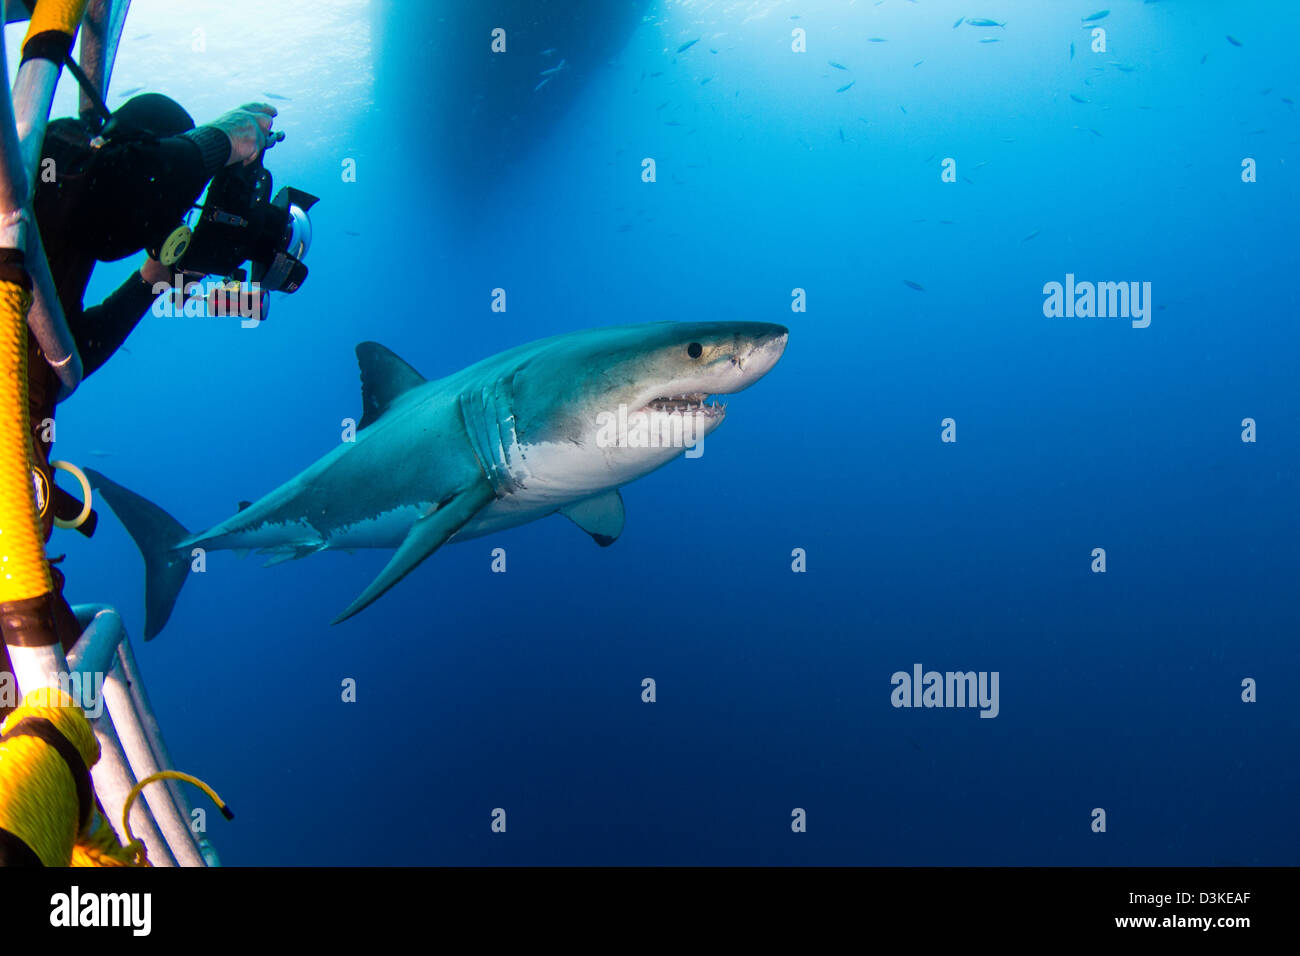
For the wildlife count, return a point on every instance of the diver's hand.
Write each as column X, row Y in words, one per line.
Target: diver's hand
column 155, row 273
column 247, row 128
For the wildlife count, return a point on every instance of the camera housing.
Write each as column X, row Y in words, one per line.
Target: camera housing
column 241, row 222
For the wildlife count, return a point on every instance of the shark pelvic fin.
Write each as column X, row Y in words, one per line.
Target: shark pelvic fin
column 426, row 536
column 601, row 517
column 281, row 555
column 384, row 379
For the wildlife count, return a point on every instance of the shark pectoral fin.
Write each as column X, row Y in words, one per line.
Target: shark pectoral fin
column 601, row 516
column 426, row 536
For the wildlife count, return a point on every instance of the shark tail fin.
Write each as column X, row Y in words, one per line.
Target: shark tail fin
column 156, row 534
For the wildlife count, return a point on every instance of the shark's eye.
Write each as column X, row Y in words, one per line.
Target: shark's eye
column 695, row 350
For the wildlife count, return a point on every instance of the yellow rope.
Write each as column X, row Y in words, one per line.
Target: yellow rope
column 99, row 847
column 23, row 571
column 38, row 796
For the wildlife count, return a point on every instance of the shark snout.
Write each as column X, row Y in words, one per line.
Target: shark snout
column 756, row 357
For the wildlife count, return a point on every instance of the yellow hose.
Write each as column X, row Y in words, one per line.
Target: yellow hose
column 23, row 571
column 63, row 16
column 39, row 795
column 133, row 843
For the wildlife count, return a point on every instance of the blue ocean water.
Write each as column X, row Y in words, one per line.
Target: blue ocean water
column 1119, row 690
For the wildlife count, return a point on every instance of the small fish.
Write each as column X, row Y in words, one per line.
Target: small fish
column 914, row 285
column 672, row 123
column 549, row 52
column 100, row 454
column 985, row 22
column 277, row 96
column 1077, row 99
column 1094, row 17
column 988, row 39
column 1288, row 101
column 658, row 73
column 917, row 63
column 967, row 179
column 553, row 70
column 838, row 66
column 1233, row 40
column 903, row 108
column 1031, row 235
column 846, row 86
column 958, row 23
column 132, row 91
column 1071, row 51
column 983, row 162
column 705, row 80
column 687, row 45
column 1204, row 57
column 877, row 40
column 1125, row 68
column 541, row 84
column 1095, row 133
column 350, row 232
column 842, row 135
column 1265, row 92
column 948, row 222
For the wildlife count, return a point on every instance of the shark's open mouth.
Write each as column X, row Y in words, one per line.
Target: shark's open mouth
column 695, row 403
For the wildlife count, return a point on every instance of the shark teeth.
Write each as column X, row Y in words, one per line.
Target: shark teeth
column 695, row 402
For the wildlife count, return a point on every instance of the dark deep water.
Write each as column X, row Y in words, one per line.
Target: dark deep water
column 522, row 691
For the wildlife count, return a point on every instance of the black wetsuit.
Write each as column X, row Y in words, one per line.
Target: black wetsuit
column 109, row 203
column 105, row 204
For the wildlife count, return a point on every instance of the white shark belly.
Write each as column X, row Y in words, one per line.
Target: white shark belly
column 385, row 530
column 505, row 513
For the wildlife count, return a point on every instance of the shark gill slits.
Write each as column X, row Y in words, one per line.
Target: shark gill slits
column 695, row 350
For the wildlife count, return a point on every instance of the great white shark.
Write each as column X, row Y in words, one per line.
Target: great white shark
column 557, row 425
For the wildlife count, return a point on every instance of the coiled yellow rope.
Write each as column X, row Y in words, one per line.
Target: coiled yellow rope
column 99, row 847
column 38, row 795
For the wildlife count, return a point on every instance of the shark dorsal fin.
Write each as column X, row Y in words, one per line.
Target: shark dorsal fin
column 384, row 378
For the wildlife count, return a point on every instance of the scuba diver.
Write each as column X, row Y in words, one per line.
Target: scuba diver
column 107, row 193
column 123, row 190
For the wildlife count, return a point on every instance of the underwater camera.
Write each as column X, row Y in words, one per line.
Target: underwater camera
column 240, row 222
